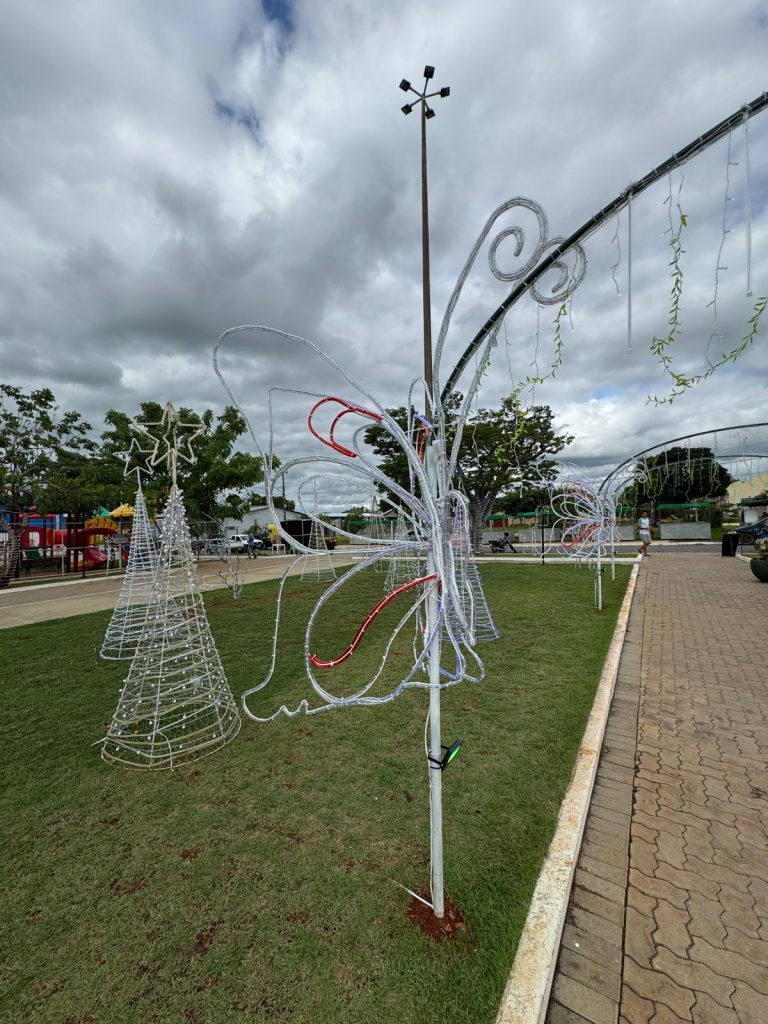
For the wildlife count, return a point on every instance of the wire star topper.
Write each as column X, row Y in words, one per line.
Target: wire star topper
column 169, row 444
column 135, row 459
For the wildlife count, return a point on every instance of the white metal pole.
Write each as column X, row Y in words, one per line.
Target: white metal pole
column 599, row 578
column 435, row 748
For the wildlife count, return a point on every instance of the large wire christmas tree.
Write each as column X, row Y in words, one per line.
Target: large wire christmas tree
column 175, row 705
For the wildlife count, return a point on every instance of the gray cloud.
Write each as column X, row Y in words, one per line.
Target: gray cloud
column 170, row 172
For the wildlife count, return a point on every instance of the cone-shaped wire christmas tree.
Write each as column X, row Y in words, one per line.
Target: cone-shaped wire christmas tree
column 404, row 566
column 136, row 595
column 175, row 705
column 317, row 566
column 473, row 602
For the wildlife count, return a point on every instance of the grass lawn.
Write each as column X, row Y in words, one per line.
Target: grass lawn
column 256, row 885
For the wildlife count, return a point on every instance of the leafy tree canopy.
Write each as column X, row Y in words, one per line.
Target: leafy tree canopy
column 37, row 442
column 677, row 476
column 213, row 485
column 499, row 448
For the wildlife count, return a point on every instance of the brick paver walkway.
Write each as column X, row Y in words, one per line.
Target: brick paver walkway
column 668, row 918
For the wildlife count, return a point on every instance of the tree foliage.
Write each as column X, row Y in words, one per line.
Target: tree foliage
column 677, row 476
column 37, row 444
column 51, row 460
column 499, row 449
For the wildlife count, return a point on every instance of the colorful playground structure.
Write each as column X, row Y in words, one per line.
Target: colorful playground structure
column 60, row 543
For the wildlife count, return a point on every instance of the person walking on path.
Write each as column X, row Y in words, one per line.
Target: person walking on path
column 644, row 529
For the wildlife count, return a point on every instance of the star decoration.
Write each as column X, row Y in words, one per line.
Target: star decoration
column 169, row 444
column 135, row 454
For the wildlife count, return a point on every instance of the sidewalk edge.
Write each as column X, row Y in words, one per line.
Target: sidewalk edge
column 526, row 995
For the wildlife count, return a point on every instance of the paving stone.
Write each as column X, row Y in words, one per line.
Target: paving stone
column 642, row 855
column 596, row 1007
column 695, row 976
column 658, row 987
column 664, row 1015
column 707, row 1011
column 602, row 870
column 598, row 905
column 559, row 1014
column 607, row 931
column 750, row 1005
column 601, row 886
column 671, row 928
column 635, row 1010
column 638, row 937
column 731, row 965
column 606, row 953
column 706, row 918
column 593, row 975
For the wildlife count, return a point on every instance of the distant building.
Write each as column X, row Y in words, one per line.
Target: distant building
column 261, row 516
column 748, row 488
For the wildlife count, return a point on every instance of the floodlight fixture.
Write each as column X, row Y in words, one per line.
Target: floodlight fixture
column 429, row 71
column 448, row 756
column 445, row 91
column 429, row 112
column 407, row 108
column 405, row 85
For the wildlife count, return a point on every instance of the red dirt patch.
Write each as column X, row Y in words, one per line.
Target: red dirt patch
column 435, row 928
column 205, row 939
column 191, row 853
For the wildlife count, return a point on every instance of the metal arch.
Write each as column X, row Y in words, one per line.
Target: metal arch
column 682, row 156
column 674, row 440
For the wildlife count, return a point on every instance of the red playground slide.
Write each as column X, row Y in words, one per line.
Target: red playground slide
column 94, row 557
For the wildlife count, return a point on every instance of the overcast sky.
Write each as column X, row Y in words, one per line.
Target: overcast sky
column 173, row 169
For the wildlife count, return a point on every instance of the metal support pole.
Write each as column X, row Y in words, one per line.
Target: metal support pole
column 426, row 300
column 435, row 748
column 599, row 579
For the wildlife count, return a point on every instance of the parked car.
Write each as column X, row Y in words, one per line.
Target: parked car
column 750, row 532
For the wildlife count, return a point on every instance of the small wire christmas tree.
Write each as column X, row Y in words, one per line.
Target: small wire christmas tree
column 405, row 565
column 470, row 588
column 175, row 705
column 130, row 614
column 317, row 566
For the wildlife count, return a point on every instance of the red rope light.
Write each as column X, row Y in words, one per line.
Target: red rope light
column 330, row 441
column 320, row 663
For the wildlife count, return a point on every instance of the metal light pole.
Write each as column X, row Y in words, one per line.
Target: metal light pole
column 432, row 607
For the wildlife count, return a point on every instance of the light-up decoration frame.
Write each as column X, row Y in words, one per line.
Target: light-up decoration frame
column 443, row 612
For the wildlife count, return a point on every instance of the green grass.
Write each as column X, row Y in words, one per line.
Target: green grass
column 256, row 885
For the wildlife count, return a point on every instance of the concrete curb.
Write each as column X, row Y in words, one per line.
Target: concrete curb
column 526, row 995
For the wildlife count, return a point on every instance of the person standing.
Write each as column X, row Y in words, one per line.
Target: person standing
column 644, row 529
column 251, row 546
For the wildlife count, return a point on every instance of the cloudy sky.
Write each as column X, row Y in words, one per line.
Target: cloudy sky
column 173, row 169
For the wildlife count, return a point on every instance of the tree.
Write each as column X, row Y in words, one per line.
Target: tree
column 499, row 448
column 677, row 476
column 35, row 443
column 213, row 485
column 355, row 518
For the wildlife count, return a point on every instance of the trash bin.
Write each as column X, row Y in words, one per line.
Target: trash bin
column 729, row 545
